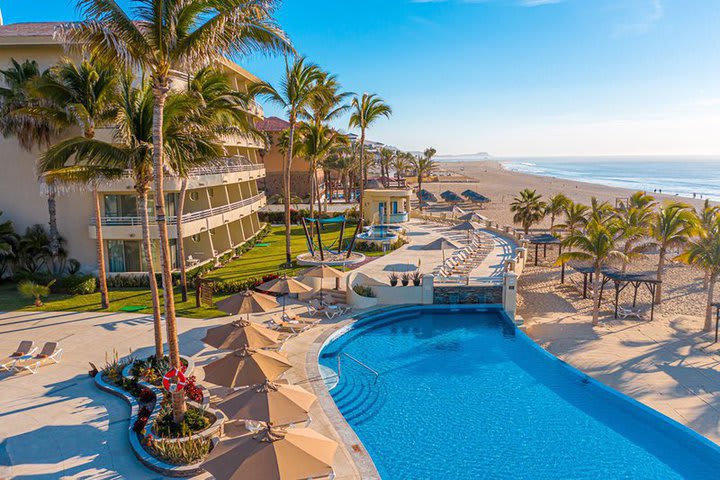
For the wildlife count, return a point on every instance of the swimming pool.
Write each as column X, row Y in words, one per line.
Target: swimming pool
column 462, row 394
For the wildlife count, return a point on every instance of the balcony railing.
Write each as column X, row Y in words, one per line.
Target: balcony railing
column 231, row 165
column 400, row 217
column 188, row 217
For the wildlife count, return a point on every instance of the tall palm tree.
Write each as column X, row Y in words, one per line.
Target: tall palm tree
column 555, row 207
column 316, row 144
column 159, row 37
column 600, row 211
column 633, row 221
column 221, row 110
column 31, row 131
column 671, row 227
column 295, row 91
column 424, row 166
column 400, row 163
column 386, row 157
column 706, row 216
column 366, row 110
column 595, row 245
column 81, row 96
column 704, row 253
column 528, row 209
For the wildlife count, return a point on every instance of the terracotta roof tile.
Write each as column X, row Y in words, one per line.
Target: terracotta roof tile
column 30, row 29
column 272, row 124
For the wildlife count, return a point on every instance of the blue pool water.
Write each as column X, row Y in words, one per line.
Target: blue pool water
column 463, row 395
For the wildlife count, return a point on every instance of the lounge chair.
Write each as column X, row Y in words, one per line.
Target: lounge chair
column 627, row 312
column 295, row 327
column 50, row 353
column 25, row 348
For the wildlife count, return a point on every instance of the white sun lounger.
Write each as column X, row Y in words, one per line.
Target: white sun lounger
column 50, row 353
column 25, row 350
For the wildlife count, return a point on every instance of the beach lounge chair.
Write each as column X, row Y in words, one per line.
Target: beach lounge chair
column 50, row 353
column 627, row 312
column 25, row 349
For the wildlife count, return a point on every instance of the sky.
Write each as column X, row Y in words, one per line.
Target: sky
column 509, row 77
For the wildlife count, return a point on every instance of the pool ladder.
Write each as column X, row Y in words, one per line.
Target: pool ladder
column 339, row 365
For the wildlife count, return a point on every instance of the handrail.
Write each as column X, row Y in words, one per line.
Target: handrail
column 232, row 166
column 371, row 370
column 188, row 217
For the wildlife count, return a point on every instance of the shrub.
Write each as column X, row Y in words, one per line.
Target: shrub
column 179, row 453
column 73, row 267
column 128, row 281
column 364, row 291
column 192, row 391
column 194, row 421
column 146, row 395
column 30, row 289
column 76, row 285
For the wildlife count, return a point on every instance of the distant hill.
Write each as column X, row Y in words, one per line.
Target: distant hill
column 474, row 156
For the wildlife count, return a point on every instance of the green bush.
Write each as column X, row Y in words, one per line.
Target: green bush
column 364, row 291
column 194, row 421
column 128, row 281
column 76, row 285
column 180, row 453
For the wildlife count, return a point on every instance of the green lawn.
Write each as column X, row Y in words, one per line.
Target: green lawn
column 256, row 263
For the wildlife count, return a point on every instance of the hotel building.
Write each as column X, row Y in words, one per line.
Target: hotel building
column 221, row 205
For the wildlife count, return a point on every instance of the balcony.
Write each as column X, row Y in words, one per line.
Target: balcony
column 227, row 171
column 193, row 222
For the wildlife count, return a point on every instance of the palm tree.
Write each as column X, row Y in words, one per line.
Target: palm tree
column 555, row 207
column 31, row 131
column 595, row 245
column 221, row 110
column 366, row 110
column 81, row 96
column 706, row 217
column 704, row 252
column 633, row 222
column 159, row 37
column 401, row 163
column 295, row 92
column 600, row 211
column 424, row 167
column 386, row 156
column 528, row 208
column 671, row 227
column 317, row 143
column 576, row 217
column 9, row 241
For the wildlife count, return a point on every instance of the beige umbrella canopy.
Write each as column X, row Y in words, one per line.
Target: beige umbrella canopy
column 273, row 454
column 247, row 302
column 246, row 367
column 241, row 334
column 284, row 286
column 269, row 403
column 322, row 272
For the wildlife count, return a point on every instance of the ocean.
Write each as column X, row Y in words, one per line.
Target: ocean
column 691, row 177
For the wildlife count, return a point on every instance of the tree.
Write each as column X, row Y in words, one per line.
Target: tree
column 595, row 245
column 671, row 227
column 31, row 131
column 704, row 253
column 295, row 91
column 528, row 209
column 159, row 37
column 366, row 111
column 317, row 141
column 9, row 241
column 30, row 289
column 576, row 217
column 424, row 166
column 81, row 96
column 555, row 207
column 400, row 163
column 633, row 222
column 386, row 156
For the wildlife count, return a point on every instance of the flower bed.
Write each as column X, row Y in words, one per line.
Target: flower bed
column 175, row 452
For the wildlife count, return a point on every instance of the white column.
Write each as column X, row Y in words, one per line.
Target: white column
column 510, row 294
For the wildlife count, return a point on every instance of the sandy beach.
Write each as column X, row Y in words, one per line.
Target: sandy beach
column 669, row 364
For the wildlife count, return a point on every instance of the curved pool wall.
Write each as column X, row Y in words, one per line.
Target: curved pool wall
column 463, row 393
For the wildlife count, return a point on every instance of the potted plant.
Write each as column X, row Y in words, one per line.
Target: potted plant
column 393, row 279
column 416, row 278
column 405, row 279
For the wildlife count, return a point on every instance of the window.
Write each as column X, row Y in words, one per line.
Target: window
column 194, row 196
column 195, row 238
column 120, row 205
column 211, row 192
column 124, row 256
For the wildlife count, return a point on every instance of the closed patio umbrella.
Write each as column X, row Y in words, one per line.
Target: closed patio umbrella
column 240, row 334
column 322, row 272
column 284, row 286
column 273, row 454
column 270, row 403
column 246, row 367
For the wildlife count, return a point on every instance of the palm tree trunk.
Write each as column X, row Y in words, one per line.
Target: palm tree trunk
column 317, row 194
column 596, row 297
column 160, row 91
column 328, row 180
column 180, row 244
column 100, row 251
column 152, row 280
column 709, row 305
column 53, row 230
column 420, row 193
column 660, row 270
column 286, row 188
column 363, row 174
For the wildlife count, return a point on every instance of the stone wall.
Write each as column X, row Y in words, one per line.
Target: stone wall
column 486, row 294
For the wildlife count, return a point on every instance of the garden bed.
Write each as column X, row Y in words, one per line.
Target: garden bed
column 180, row 452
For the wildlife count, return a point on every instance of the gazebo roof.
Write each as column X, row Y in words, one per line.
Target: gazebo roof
column 544, row 239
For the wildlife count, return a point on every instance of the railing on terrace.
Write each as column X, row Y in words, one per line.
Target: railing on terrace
column 459, row 280
column 400, row 217
column 188, row 217
column 231, row 165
